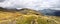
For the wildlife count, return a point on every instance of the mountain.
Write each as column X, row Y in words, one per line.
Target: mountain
column 26, row 16
column 47, row 12
column 50, row 12
column 57, row 12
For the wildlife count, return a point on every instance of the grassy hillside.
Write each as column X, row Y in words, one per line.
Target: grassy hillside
column 26, row 16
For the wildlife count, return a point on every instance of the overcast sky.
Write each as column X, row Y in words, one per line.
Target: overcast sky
column 32, row 4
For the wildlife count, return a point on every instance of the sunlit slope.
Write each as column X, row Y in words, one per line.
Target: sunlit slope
column 26, row 16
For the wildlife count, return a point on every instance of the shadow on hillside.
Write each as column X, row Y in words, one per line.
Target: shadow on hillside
column 8, row 10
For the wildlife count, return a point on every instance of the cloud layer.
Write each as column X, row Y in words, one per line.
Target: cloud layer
column 32, row 4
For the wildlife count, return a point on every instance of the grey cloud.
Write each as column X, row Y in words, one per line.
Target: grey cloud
column 2, row 0
column 32, row 4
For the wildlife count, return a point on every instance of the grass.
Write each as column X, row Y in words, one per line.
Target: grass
column 27, row 17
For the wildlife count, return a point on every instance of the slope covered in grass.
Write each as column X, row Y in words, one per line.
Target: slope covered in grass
column 26, row 16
